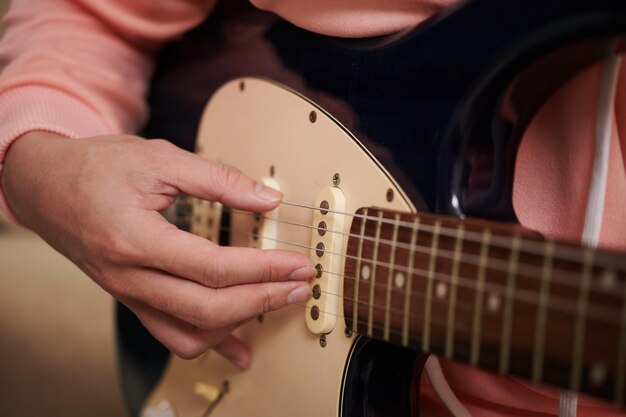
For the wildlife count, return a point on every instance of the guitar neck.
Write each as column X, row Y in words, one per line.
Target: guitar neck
column 491, row 295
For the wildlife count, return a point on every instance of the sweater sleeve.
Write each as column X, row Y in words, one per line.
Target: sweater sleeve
column 80, row 67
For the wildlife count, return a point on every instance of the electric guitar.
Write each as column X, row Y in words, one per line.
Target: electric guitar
column 395, row 282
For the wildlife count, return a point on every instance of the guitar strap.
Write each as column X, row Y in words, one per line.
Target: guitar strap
column 597, row 190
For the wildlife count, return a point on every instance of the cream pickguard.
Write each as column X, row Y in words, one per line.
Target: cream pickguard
column 273, row 134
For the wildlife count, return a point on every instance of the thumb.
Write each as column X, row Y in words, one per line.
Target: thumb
column 209, row 180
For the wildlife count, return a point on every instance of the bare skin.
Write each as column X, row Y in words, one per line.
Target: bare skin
column 97, row 201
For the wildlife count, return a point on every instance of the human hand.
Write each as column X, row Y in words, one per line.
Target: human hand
column 97, row 201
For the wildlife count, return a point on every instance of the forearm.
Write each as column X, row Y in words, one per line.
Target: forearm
column 79, row 68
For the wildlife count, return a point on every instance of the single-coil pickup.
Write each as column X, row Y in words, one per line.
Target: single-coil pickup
column 265, row 226
column 206, row 217
column 326, row 246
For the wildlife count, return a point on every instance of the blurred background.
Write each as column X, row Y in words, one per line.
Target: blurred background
column 57, row 344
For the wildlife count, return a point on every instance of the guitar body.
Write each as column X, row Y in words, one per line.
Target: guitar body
column 410, row 113
column 302, row 157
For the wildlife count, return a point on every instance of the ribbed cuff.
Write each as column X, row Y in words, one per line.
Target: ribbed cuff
column 29, row 108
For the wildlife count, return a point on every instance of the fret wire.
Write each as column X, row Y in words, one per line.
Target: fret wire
column 581, row 313
column 540, row 326
column 536, row 247
column 565, row 278
column 505, row 349
column 409, row 281
column 478, row 307
column 620, row 386
column 392, row 258
column 429, row 288
column 357, row 272
column 559, row 304
column 370, row 316
column 458, row 244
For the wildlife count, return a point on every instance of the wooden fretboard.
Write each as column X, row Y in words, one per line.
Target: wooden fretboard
column 490, row 295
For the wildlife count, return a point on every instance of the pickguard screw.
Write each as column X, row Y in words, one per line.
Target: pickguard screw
column 390, row 195
column 348, row 332
column 315, row 312
column 323, row 342
column 312, row 116
column 336, row 179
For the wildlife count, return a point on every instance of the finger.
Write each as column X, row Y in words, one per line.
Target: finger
column 195, row 258
column 183, row 339
column 214, row 181
column 209, row 308
column 235, row 351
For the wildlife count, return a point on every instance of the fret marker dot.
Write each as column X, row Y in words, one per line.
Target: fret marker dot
column 441, row 290
column 493, row 303
column 608, row 280
column 399, row 280
column 597, row 374
column 365, row 272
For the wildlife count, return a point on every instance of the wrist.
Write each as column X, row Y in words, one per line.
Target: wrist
column 25, row 164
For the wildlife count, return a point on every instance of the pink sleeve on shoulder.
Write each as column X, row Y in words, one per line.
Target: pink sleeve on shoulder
column 80, row 67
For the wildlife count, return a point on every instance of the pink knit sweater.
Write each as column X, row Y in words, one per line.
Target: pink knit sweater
column 80, row 68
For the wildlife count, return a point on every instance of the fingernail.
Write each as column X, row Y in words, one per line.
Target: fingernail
column 267, row 193
column 303, row 274
column 299, row 295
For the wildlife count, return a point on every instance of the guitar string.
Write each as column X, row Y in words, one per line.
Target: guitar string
column 533, row 247
column 595, row 311
column 522, row 295
column 459, row 329
column 563, row 277
column 597, row 288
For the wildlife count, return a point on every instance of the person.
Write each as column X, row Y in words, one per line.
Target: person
column 78, row 69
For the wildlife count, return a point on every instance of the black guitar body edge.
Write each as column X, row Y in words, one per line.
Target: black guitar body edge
column 427, row 103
